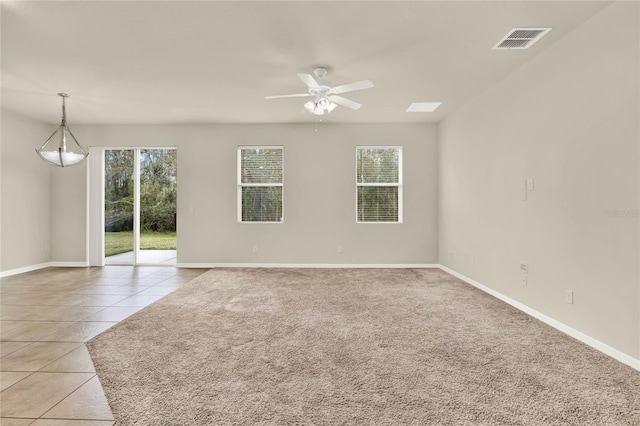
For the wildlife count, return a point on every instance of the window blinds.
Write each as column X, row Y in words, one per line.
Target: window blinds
column 378, row 182
column 260, row 186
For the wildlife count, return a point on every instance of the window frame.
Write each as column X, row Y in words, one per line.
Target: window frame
column 397, row 184
column 257, row 185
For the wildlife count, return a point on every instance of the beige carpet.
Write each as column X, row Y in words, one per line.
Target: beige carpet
column 352, row 346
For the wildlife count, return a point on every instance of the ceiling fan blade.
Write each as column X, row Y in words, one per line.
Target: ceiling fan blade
column 350, row 87
column 297, row 95
column 309, row 80
column 344, row 102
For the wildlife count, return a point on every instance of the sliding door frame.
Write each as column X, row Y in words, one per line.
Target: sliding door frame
column 96, row 206
column 96, row 201
column 136, row 205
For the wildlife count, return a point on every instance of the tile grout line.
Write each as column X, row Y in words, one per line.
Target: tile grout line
column 77, row 292
column 58, row 403
column 12, row 341
column 31, row 373
column 74, row 348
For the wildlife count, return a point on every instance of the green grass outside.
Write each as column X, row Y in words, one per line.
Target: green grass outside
column 122, row 242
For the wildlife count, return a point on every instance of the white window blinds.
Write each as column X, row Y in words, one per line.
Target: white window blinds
column 260, row 184
column 379, row 184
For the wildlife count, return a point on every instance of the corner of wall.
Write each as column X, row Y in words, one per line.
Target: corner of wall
column 577, row 228
column 26, row 197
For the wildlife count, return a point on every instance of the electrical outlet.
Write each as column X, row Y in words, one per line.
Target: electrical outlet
column 255, row 248
column 523, row 280
column 568, row 296
column 524, row 267
column 340, row 249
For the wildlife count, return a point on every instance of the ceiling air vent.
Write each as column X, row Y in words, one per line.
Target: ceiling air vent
column 521, row 38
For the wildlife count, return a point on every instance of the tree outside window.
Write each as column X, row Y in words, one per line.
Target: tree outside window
column 379, row 184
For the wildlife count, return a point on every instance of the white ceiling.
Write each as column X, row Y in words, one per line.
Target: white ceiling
column 214, row 62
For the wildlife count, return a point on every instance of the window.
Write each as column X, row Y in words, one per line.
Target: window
column 260, row 183
column 379, row 184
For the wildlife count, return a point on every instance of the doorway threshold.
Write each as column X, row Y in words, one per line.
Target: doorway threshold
column 146, row 257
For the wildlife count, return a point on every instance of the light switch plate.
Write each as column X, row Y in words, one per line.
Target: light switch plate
column 529, row 184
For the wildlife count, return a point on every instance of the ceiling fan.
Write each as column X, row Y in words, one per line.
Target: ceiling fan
column 325, row 96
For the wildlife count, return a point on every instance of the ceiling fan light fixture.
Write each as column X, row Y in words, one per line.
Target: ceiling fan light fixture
column 324, row 105
column 68, row 152
column 310, row 106
column 320, row 106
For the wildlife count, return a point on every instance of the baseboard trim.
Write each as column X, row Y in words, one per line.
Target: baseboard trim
column 30, row 268
column 69, row 264
column 588, row 340
column 307, row 265
column 24, row 269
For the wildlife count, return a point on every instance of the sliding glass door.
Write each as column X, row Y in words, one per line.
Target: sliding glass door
column 140, row 206
column 158, row 196
column 119, row 200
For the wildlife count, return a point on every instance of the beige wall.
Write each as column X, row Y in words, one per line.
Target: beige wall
column 569, row 120
column 319, row 206
column 69, row 213
column 25, row 193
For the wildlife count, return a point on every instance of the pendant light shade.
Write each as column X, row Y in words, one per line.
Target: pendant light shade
column 62, row 149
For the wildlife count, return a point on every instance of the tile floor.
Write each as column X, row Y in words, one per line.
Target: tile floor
column 46, row 375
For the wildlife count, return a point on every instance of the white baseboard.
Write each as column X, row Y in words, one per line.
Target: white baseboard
column 231, row 265
column 24, row 269
column 307, row 265
column 30, row 268
column 588, row 340
column 69, row 264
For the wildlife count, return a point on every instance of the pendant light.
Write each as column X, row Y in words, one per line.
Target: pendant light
column 68, row 152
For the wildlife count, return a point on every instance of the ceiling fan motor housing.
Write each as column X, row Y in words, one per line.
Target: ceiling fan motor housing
column 321, row 92
column 325, row 84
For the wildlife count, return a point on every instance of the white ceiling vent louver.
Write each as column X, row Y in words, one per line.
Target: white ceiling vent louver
column 521, row 38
